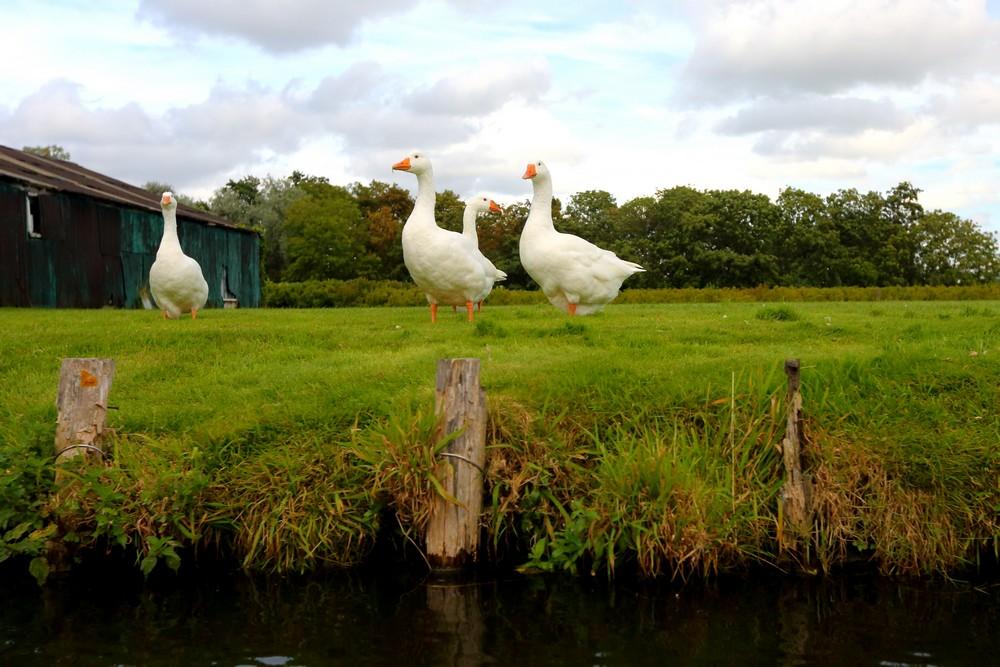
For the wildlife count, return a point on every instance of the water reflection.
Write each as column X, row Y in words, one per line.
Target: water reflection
column 354, row 619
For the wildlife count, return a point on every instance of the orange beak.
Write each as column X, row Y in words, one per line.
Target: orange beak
column 402, row 165
column 495, row 207
column 165, row 201
column 530, row 171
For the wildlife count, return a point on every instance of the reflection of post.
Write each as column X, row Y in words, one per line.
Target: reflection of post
column 793, row 624
column 458, row 618
column 453, row 530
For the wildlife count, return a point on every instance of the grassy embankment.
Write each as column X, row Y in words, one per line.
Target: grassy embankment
column 642, row 439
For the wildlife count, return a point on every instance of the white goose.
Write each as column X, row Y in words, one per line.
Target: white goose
column 574, row 274
column 473, row 207
column 176, row 280
column 446, row 265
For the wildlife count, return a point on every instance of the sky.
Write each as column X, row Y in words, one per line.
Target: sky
column 628, row 97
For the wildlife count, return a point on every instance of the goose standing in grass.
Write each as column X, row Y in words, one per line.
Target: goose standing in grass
column 175, row 280
column 473, row 207
column 446, row 265
column 574, row 274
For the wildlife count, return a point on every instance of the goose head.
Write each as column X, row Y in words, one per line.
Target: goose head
column 415, row 163
column 168, row 202
column 481, row 204
column 535, row 170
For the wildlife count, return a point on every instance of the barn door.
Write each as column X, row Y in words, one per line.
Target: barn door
column 13, row 250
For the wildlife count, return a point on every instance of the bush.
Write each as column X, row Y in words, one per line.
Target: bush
column 364, row 292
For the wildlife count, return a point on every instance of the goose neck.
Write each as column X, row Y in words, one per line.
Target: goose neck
column 425, row 191
column 541, row 202
column 469, row 224
column 169, row 240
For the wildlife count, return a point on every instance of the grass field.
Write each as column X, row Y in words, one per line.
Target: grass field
column 642, row 438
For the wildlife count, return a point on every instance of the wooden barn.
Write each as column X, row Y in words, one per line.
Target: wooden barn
column 73, row 238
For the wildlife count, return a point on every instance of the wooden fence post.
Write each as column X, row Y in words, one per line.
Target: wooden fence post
column 82, row 402
column 796, row 490
column 453, row 530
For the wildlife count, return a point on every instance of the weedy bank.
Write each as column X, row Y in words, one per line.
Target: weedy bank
column 644, row 439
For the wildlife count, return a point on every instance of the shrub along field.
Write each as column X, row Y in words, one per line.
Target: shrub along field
column 643, row 439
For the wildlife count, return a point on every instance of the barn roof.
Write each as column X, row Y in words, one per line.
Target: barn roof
column 51, row 174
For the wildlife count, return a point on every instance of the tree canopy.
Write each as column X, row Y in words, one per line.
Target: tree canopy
column 54, row 151
column 684, row 237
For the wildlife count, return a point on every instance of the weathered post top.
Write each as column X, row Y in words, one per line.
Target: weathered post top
column 792, row 371
column 82, row 404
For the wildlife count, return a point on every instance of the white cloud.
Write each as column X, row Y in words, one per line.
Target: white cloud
column 290, row 25
column 968, row 105
column 837, row 115
column 484, row 89
column 768, row 47
column 366, row 111
column 56, row 114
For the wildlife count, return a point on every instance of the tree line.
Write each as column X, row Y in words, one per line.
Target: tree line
column 314, row 230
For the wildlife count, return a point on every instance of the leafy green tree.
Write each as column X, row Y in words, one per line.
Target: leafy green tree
column 384, row 208
column 325, row 235
column 260, row 203
column 735, row 251
column 54, row 151
column 676, row 236
column 641, row 242
column 448, row 210
column 953, row 251
column 593, row 214
column 246, row 190
column 805, row 242
column 902, row 211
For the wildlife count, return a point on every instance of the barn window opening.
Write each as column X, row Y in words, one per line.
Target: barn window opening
column 34, row 220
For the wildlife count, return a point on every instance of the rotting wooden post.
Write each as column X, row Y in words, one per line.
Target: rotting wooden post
column 82, row 402
column 453, row 530
column 795, row 492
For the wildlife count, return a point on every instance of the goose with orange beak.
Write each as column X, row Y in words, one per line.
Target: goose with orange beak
column 446, row 265
column 473, row 207
column 175, row 280
column 574, row 274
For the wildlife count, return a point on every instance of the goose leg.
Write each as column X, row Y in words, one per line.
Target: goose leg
column 194, row 313
column 572, row 309
column 165, row 315
column 454, row 309
column 434, row 313
column 468, row 307
column 479, row 306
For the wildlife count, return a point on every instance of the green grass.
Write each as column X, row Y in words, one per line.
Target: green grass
column 644, row 437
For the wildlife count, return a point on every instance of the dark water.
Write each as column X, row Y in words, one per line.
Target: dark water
column 362, row 620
